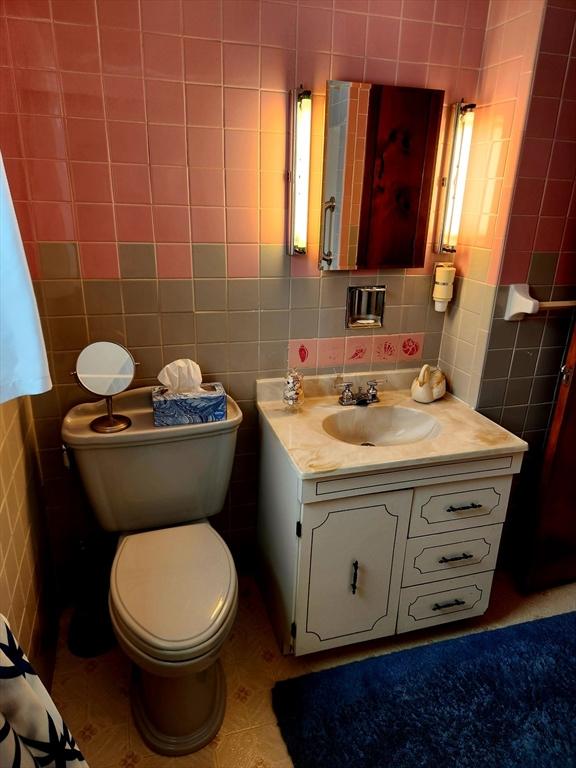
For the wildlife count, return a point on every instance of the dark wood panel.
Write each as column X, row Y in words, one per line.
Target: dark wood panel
column 402, row 137
column 553, row 559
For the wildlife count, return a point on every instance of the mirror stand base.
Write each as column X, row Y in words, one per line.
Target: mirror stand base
column 114, row 423
column 111, row 422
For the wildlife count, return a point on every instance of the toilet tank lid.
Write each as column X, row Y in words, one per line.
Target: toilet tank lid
column 173, row 588
column 137, row 405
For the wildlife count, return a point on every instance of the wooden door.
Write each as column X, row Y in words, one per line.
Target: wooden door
column 553, row 560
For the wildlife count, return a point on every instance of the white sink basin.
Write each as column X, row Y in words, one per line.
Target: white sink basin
column 380, row 425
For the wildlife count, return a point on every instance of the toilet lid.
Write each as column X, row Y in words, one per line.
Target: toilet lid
column 173, row 588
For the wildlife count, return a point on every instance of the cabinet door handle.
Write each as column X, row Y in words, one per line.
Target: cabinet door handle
column 449, row 604
column 463, row 556
column 466, row 506
column 354, row 584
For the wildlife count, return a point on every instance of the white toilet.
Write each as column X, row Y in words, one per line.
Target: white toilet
column 173, row 585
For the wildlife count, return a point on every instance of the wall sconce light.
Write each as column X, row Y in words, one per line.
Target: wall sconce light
column 455, row 181
column 300, row 170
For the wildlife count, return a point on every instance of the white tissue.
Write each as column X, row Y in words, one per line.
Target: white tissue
column 181, row 376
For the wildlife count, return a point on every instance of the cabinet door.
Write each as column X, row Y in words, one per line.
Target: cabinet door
column 350, row 569
column 401, row 141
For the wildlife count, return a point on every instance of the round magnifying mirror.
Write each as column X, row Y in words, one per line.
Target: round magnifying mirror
column 106, row 368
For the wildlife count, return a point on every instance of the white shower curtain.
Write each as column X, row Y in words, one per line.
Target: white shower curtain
column 32, row 732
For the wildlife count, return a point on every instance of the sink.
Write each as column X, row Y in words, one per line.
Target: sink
column 380, row 425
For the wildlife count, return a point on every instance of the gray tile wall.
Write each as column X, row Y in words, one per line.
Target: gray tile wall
column 465, row 337
column 524, row 358
column 237, row 329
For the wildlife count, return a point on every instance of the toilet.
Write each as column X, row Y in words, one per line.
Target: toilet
column 173, row 585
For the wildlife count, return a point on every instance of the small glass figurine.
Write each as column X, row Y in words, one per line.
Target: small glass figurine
column 293, row 394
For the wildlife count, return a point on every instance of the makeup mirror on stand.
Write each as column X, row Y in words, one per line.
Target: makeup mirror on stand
column 105, row 368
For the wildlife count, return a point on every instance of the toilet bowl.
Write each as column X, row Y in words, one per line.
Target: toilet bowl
column 173, row 586
column 173, row 599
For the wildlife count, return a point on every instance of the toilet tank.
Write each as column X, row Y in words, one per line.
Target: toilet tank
column 147, row 476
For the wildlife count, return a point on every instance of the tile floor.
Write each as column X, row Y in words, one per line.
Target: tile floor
column 92, row 694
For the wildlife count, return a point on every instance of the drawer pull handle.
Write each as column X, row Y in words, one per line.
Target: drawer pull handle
column 463, row 556
column 462, row 509
column 354, row 584
column 449, row 604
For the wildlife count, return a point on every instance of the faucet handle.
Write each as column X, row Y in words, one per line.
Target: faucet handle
column 372, row 390
column 347, row 396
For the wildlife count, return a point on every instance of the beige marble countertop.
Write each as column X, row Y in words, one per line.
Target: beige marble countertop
column 463, row 433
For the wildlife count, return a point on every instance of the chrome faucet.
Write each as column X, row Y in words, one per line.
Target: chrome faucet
column 361, row 397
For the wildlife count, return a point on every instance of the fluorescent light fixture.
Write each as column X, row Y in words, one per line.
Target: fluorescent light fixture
column 300, row 171
column 455, row 182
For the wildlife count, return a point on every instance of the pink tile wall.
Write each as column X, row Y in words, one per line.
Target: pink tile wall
column 544, row 206
column 166, row 120
column 503, row 94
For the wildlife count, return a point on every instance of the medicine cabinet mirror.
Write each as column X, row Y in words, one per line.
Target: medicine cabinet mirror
column 380, row 145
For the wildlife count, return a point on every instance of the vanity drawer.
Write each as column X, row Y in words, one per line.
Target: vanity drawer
column 455, row 506
column 448, row 555
column 428, row 604
column 473, row 470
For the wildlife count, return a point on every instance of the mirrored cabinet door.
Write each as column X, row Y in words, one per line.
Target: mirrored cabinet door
column 380, row 149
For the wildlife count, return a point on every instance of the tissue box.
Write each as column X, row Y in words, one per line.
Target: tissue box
column 171, row 408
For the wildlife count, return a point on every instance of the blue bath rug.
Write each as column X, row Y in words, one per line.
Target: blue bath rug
column 499, row 699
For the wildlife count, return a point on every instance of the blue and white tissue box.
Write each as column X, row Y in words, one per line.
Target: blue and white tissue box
column 172, row 408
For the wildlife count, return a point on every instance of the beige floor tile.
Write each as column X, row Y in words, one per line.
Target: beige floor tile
column 74, row 710
column 93, row 694
column 260, row 747
column 104, row 747
column 247, row 708
column 261, row 666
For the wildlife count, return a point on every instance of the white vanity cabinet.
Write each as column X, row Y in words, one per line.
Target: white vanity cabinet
column 353, row 557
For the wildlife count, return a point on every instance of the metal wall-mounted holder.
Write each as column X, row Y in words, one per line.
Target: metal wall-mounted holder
column 520, row 303
column 365, row 306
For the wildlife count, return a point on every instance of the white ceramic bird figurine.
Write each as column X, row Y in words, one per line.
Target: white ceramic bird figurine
column 429, row 385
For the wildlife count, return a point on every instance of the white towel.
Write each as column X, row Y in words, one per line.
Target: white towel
column 23, row 361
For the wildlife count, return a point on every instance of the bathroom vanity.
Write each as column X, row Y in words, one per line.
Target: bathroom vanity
column 360, row 541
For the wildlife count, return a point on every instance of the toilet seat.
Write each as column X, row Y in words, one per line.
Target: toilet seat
column 173, row 590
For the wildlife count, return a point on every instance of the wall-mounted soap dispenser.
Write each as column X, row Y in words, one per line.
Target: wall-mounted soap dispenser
column 444, row 274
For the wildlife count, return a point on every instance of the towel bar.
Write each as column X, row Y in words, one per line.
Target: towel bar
column 520, row 303
column 557, row 304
